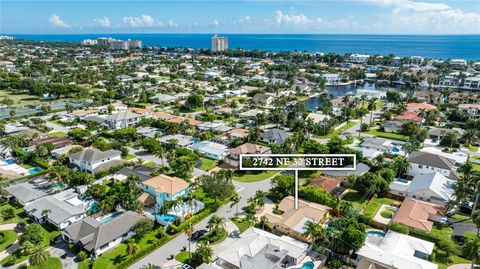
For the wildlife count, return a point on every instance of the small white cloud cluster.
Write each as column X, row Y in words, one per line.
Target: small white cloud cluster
column 56, row 21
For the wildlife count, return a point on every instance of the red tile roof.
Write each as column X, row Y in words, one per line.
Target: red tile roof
column 415, row 213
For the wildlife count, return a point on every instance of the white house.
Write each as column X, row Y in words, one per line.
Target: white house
column 424, row 163
column 395, row 251
column 432, row 187
column 472, row 83
column 210, row 149
column 331, row 79
column 92, row 160
column 472, row 110
column 123, row 119
column 359, row 58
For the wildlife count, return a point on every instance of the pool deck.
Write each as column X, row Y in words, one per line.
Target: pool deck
column 378, row 218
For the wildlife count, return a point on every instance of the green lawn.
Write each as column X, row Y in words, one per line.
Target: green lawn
column 52, row 263
column 476, row 157
column 20, row 214
column 182, row 256
column 57, row 134
column 20, row 99
column 393, row 136
column 476, row 167
column 207, row 164
column 129, row 157
column 378, row 105
column 242, row 226
column 7, row 238
column 375, row 205
column 441, row 258
column 255, row 177
column 338, row 131
column 150, row 164
column 354, row 197
column 472, row 148
column 26, row 166
column 462, row 217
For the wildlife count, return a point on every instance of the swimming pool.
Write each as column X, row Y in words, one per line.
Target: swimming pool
column 35, row 170
column 403, row 181
column 10, row 161
column 168, row 218
column 395, row 150
column 375, row 233
column 307, row 265
column 110, row 217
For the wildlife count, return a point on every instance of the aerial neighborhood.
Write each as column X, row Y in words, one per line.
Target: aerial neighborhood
column 118, row 155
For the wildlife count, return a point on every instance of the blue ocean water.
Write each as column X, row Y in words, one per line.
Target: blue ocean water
column 438, row 46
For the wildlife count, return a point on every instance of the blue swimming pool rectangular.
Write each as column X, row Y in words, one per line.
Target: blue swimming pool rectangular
column 168, row 218
column 35, row 170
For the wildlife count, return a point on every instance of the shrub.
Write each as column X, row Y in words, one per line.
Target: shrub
column 142, row 227
column 398, row 227
column 81, row 256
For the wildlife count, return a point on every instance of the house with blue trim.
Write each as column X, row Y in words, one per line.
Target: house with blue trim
column 165, row 188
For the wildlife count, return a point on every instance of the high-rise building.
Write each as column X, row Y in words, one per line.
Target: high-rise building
column 104, row 41
column 119, row 45
column 134, row 44
column 219, row 43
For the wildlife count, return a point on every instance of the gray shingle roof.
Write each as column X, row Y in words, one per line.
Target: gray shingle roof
column 93, row 155
column 123, row 115
column 27, row 191
column 430, row 159
column 278, row 135
column 94, row 234
column 59, row 210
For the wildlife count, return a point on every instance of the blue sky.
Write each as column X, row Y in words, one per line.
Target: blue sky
column 311, row 16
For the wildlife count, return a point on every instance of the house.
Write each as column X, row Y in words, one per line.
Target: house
column 418, row 214
column 179, row 139
column 408, row 116
column 163, row 98
column 431, row 97
column 317, row 118
column 463, row 98
column 331, row 79
column 233, row 158
column 292, row 221
column 122, row 119
column 28, row 191
column 449, row 81
column 165, row 188
column 424, row 162
column 418, row 107
column 438, row 133
column 64, row 209
column 340, row 174
column 393, row 126
column 263, row 99
column 359, row 58
column 432, row 187
column 255, row 246
column 93, row 160
column 98, row 236
column 142, row 172
column 472, row 83
column 338, row 105
column 415, row 60
column 57, row 142
column 275, row 136
column 372, row 147
column 471, row 110
column 328, row 184
column 395, row 251
column 210, row 149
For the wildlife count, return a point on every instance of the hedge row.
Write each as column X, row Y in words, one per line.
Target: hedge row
column 131, row 259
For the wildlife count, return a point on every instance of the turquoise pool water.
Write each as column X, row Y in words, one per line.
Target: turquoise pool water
column 307, row 265
column 35, row 170
column 109, row 218
column 395, row 150
column 375, row 233
column 401, row 180
column 10, row 161
column 169, row 218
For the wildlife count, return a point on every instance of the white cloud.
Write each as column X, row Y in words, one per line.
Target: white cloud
column 171, row 23
column 214, row 23
column 294, row 19
column 142, row 21
column 56, row 21
column 426, row 17
column 104, row 22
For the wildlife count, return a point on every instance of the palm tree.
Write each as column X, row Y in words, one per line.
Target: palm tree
column 45, row 213
column 205, row 251
column 188, row 230
column 39, row 257
column 250, row 219
column 263, row 221
column 132, row 247
column 235, row 202
column 216, row 222
column 472, row 249
column 476, row 220
column 58, row 173
column 313, row 231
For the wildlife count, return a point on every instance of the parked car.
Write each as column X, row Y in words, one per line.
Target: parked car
column 196, row 235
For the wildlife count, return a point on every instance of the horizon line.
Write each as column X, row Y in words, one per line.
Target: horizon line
column 377, row 34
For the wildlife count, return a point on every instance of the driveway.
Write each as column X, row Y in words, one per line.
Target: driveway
column 60, row 250
column 147, row 156
column 461, row 227
column 160, row 255
column 57, row 127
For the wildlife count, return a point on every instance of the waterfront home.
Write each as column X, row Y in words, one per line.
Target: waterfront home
column 210, row 149
column 165, row 188
column 122, row 119
column 472, row 83
column 263, row 99
column 395, row 251
column 464, row 98
column 255, row 246
column 471, row 110
column 424, row 162
column 318, row 118
column 431, row 187
column 233, row 158
column 292, row 221
column 99, row 235
column 60, row 210
column 274, row 136
column 419, row 215
column 331, row 79
column 92, row 160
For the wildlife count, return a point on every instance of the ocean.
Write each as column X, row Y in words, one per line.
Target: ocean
column 428, row 46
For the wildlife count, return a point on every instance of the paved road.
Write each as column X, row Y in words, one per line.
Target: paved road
column 244, row 190
column 57, row 127
column 61, row 250
column 355, row 128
